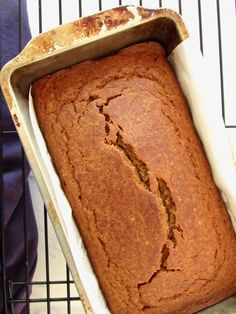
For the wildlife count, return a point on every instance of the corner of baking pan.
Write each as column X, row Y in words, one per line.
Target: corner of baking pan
column 84, row 29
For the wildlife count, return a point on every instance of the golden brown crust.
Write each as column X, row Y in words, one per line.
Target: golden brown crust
column 123, row 143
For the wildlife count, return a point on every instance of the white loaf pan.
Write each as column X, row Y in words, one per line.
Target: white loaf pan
column 88, row 38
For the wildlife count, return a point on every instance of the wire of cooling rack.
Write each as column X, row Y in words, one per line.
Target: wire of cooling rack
column 8, row 287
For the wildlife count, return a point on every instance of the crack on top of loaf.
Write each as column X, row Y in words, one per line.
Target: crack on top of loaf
column 88, row 102
column 140, row 166
column 168, row 203
column 162, row 195
column 170, row 208
column 165, row 252
column 106, row 100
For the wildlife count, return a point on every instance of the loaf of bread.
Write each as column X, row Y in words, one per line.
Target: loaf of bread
column 122, row 140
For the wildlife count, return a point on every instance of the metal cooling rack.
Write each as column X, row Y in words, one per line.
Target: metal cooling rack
column 198, row 14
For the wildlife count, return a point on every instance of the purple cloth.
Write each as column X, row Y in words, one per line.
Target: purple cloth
column 14, row 201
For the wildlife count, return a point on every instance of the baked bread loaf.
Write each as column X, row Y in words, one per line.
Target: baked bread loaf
column 133, row 168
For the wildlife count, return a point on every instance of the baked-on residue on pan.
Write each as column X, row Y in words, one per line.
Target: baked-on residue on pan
column 123, row 143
